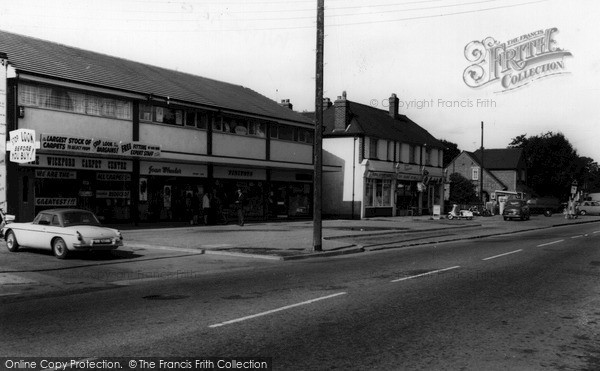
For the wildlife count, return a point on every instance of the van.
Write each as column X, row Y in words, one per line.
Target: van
column 593, row 197
column 544, row 205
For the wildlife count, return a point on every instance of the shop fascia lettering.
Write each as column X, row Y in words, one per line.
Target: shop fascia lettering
column 81, row 163
column 57, row 142
column 166, row 170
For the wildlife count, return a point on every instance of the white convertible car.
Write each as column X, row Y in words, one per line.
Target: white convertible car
column 62, row 230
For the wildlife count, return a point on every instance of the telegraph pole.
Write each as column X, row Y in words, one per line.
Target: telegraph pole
column 318, row 145
column 481, row 171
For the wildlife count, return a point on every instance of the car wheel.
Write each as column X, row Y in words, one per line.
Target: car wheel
column 11, row 242
column 59, row 247
column 548, row 213
column 450, row 216
column 582, row 212
column 505, row 218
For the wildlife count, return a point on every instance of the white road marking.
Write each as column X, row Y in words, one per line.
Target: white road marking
column 550, row 243
column 276, row 310
column 578, row 236
column 425, row 274
column 506, row 253
column 596, row 232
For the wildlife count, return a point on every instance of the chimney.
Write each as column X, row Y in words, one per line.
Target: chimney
column 341, row 113
column 394, row 103
column 286, row 103
column 326, row 103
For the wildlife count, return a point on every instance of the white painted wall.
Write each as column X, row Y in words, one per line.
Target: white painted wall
column 243, row 146
column 291, row 152
column 174, row 138
column 77, row 125
column 337, row 186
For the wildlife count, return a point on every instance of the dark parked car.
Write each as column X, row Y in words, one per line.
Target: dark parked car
column 516, row 209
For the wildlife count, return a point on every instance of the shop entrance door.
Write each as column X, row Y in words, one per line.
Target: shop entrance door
column 26, row 208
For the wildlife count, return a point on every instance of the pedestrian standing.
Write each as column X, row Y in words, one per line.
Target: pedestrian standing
column 217, row 206
column 195, row 207
column 239, row 204
column 206, row 206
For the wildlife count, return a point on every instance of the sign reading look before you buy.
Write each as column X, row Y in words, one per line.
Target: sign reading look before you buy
column 22, row 146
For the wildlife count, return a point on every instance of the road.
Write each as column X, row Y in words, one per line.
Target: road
column 525, row 301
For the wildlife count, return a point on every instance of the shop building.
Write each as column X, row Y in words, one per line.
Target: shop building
column 390, row 165
column 139, row 143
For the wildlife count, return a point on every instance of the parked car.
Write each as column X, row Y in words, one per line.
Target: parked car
column 516, row 209
column 589, row 207
column 62, row 231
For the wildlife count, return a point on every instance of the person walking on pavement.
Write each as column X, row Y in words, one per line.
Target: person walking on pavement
column 239, row 204
column 206, row 206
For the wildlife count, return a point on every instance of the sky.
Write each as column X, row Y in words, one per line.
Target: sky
column 541, row 62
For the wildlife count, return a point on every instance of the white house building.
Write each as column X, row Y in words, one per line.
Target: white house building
column 390, row 165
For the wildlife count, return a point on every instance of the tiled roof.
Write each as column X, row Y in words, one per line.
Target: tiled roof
column 373, row 122
column 499, row 158
column 57, row 61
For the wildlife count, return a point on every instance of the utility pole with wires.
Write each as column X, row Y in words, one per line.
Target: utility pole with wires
column 318, row 145
column 481, row 195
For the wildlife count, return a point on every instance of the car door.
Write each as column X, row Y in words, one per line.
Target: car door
column 34, row 235
column 594, row 208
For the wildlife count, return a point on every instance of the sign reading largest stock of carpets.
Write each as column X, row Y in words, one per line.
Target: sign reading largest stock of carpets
column 54, row 142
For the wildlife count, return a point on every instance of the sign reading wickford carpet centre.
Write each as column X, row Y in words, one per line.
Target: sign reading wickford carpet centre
column 516, row 62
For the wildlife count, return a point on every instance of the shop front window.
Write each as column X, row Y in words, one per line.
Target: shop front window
column 378, row 193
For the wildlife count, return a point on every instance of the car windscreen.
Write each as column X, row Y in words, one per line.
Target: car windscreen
column 79, row 218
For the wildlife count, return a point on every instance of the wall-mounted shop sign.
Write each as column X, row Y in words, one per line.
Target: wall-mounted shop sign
column 22, row 145
column 55, row 201
column 139, row 149
column 412, row 177
column 239, row 173
column 113, row 177
column 113, row 194
column 170, row 169
column 55, row 174
column 81, row 163
column 59, row 142
column 290, row 176
column 380, row 175
column 66, row 143
column 105, row 146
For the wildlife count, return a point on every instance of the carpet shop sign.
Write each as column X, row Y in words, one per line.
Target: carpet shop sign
column 516, row 62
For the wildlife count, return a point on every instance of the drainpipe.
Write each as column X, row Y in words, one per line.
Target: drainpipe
column 353, row 174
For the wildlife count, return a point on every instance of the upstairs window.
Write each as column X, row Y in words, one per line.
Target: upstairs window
column 68, row 100
column 373, row 148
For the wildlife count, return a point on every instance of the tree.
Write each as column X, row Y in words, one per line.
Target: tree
column 462, row 190
column 552, row 163
column 450, row 151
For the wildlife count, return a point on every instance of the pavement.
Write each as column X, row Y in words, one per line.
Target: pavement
column 288, row 240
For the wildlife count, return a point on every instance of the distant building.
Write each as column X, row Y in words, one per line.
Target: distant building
column 390, row 165
column 504, row 169
column 134, row 142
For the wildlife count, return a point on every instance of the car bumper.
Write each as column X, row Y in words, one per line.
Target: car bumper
column 98, row 246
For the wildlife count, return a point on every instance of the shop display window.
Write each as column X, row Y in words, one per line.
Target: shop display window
column 106, row 194
column 378, row 193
